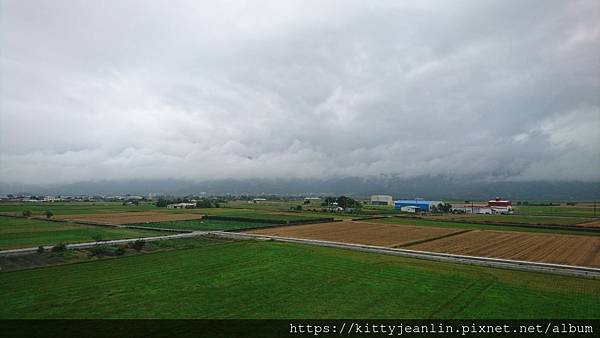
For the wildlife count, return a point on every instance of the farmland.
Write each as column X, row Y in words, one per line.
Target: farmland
column 23, row 232
column 130, row 217
column 514, row 219
column 260, row 214
column 548, row 248
column 536, row 247
column 359, row 233
column 206, row 225
column 84, row 209
column 477, row 226
column 578, row 210
column 57, row 208
column 249, row 279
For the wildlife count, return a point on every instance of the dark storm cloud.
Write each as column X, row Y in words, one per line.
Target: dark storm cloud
column 201, row 90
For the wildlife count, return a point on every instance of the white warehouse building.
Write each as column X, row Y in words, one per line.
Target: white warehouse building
column 382, row 200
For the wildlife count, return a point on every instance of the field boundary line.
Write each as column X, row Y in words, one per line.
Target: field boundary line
column 420, row 241
column 368, row 218
column 561, row 269
column 575, row 227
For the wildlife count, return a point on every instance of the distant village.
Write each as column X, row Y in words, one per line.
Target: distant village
column 331, row 204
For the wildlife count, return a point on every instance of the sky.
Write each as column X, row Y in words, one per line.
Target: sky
column 201, row 90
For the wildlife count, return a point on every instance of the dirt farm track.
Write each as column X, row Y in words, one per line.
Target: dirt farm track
column 129, row 217
column 578, row 250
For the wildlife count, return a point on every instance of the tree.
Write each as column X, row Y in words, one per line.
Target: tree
column 204, row 203
column 447, row 207
column 442, row 207
column 343, row 202
column 137, row 245
column 120, row 251
column 49, row 214
column 329, row 201
column 60, row 247
column 306, row 201
column 26, row 213
column 347, row 202
column 298, row 208
column 162, row 203
column 99, row 250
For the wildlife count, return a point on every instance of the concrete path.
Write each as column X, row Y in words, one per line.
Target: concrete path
column 22, row 251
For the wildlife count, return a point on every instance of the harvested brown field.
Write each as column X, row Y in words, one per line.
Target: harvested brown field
column 360, row 233
column 130, row 217
column 536, row 247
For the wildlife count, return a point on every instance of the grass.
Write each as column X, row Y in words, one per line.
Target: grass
column 454, row 225
column 578, row 210
column 251, row 279
column 533, row 220
column 283, row 207
column 70, row 208
column 206, row 224
column 22, row 233
column 257, row 214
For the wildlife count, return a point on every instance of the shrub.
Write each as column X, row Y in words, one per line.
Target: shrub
column 137, row 245
column 40, row 249
column 120, row 251
column 60, row 247
column 48, row 214
column 162, row 203
column 97, row 237
column 26, row 213
column 99, row 251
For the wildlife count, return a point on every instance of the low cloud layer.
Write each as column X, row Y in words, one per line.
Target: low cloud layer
column 216, row 89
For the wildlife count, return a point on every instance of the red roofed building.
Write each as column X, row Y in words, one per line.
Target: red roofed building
column 499, row 203
column 499, row 206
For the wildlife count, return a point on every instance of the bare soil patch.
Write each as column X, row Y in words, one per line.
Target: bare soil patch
column 130, row 217
column 536, row 247
column 359, row 233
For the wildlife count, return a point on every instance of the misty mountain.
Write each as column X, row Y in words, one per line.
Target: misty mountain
column 434, row 187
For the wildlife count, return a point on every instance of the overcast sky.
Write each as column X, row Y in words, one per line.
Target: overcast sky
column 257, row 89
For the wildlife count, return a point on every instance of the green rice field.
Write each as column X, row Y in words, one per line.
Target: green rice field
column 252, row 279
column 206, row 225
column 23, row 232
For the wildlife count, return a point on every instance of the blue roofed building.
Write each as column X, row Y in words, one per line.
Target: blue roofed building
column 416, row 205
